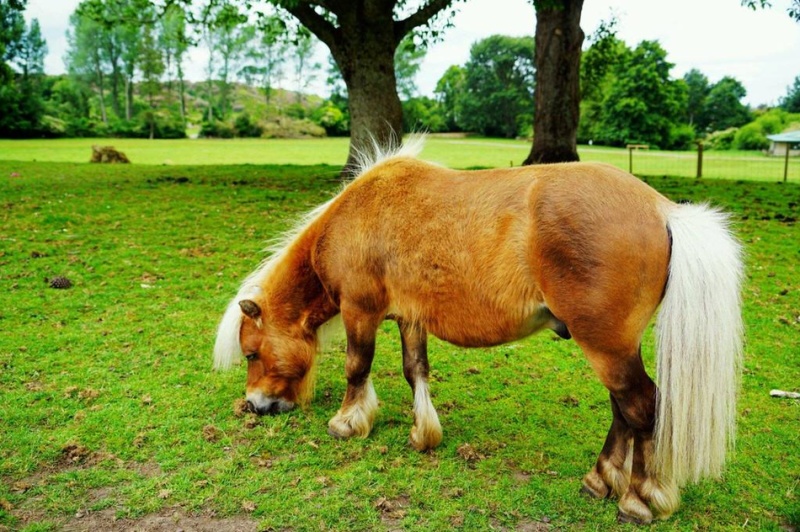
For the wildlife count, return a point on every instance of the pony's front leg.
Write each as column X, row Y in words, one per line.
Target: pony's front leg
column 360, row 403
column 426, row 432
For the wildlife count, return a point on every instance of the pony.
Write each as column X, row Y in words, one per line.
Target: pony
column 484, row 257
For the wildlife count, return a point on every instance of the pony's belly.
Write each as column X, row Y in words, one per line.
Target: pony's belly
column 472, row 327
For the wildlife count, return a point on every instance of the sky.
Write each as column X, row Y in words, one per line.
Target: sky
column 720, row 38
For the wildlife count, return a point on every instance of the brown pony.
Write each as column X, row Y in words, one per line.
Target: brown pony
column 479, row 258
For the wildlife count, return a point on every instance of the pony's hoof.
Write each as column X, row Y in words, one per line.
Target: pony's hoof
column 424, row 440
column 594, row 485
column 337, row 435
column 339, row 430
column 633, row 510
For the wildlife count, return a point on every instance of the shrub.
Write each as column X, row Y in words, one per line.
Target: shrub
column 216, row 130
column 720, row 140
column 286, row 128
column 751, row 137
column 681, row 137
column 332, row 119
column 245, row 127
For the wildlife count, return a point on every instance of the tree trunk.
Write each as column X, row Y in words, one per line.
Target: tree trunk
column 557, row 93
column 375, row 110
column 363, row 43
column 102, row 96
column 128, row 98
column 366, row 60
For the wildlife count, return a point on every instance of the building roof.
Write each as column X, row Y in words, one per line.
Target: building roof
column 789, row 136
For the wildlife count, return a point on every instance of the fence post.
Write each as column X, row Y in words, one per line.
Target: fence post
column 786, row 162
column 699, row 159
column 630, row 158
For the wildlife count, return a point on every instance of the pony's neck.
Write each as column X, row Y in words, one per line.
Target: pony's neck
column 295, row 295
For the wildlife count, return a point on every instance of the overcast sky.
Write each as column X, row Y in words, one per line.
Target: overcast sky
column 718, row 37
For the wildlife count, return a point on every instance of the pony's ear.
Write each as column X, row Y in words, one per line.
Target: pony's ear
column 250, row 308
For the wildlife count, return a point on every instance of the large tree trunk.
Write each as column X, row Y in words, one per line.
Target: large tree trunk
column 557, row 93
column 375, row 110
column 363, row 41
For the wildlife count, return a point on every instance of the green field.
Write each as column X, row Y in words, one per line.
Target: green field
column 456, row 152
column 110, row 415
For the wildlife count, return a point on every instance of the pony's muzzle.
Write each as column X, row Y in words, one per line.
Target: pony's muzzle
column 263, row 405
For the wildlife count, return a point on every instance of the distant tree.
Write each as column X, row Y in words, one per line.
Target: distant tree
column 31, row 51
column 643, row 100
column 498, row 86
column 305, row 70
column 21, row 102
column 407, row 61
column 599, row 64
column 791, row 102
column 448, row 91
column 84, row 57
column 152, row 68
column 266, row 55
column 697, row 87
column 723, row 107
column 173, row 42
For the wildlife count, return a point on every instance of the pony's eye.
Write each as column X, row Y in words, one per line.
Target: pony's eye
column 251, row 357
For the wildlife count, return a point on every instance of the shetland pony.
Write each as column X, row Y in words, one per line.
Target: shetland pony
column 480, row 258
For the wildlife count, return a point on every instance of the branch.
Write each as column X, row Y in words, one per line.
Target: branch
column 316, row 23
column 421, row 17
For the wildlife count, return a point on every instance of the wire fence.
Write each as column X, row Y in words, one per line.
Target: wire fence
column 640, row 160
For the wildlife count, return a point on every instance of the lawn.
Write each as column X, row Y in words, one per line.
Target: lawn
column 110, row 415
column 458, row 152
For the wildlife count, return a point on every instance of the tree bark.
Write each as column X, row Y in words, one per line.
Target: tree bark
column 557, row 92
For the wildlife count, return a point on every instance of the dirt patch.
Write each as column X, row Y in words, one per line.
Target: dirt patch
column 162, row 522
column 393, row 511
column 470, row 454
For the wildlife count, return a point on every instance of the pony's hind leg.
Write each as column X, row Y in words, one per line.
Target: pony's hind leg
column 427, row 431
column 634, row 394
column 360, row 403
column 611, row 474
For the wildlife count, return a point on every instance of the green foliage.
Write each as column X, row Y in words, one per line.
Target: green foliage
column 791, row 102
column 642, row 100
column 722, row 108
column 21, row 100
column 448, row 92
column 423, row 114
column 753, row 136
column 407, row 61
column 497, row 97
column 681, row 137
column 217, row 130
column 721, row 140
column 697, row 89
column 332, row 118
column 245, row 127
column 750, row 137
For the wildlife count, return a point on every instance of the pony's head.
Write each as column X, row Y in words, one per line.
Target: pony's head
column 279, row 358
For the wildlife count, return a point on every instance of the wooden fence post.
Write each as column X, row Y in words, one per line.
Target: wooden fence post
column 786, row 162
column 699, row 159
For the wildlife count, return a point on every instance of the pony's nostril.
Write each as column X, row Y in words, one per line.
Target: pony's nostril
column 250, row 407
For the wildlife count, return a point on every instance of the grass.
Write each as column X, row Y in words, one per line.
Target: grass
column 110, row 414
column 453, row 152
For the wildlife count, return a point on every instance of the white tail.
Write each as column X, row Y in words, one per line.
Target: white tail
column 699, row 347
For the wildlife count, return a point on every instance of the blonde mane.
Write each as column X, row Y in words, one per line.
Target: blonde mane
column 227, row 349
